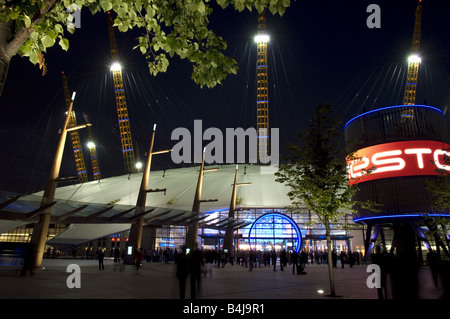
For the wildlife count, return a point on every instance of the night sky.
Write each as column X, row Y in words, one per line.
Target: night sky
column 320, row 51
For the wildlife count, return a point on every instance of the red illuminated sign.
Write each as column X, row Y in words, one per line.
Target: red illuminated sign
column 407, row 158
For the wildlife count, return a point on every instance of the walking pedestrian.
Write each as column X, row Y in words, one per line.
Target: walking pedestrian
column 251, row 259
column 294, row 261
column 100, row 257
column 342, row 258
column 138, row 256
column 274, row 260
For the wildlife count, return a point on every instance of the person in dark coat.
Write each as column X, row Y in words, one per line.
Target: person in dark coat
column 342, row 258
column 433, row 263
column 182, row 271
column 101, row 257
column 195, row 270
column 294, row 261
column 334, row 258
column 138, row 257
column 274, row 260
column 28, row 260
column 283, row 259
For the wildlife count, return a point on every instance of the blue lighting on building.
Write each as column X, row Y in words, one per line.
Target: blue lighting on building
column 274, row 229
column 393, row 107
column 360, row 219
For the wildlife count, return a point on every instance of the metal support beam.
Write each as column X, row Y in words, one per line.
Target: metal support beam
column 439, row 242
column 173, row 217
column 207, row 222
column 373, row 239
column 120, row 214
column 192, row 232
column 100, row 212
column 135, row 237
column 66, row 179
column 157, row 190
column 9, row 201
column 72, row 212
column 38, row 210
column 40, row 230
column 148, row 220
column 421, row 236
column 139, row 215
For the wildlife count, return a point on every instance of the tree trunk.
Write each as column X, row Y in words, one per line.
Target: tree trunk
column 11, row 40
column 5, row 35
column 329, row 262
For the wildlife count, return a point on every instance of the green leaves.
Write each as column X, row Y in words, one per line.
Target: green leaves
column 27, row 21
column 169, row 28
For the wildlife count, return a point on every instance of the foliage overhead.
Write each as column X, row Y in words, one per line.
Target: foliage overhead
column 169, row 28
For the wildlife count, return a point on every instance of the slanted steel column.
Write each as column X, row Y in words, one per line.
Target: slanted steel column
column 191, row 236
column 40, row 230
column 228, row 240
column 373, row 239
column 135, row 236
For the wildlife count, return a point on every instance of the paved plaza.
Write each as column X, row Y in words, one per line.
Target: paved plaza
column 158, row 281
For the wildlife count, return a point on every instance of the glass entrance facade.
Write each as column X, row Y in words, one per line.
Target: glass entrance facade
column 275, row 231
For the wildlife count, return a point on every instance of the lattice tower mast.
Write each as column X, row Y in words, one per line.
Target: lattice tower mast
column 93, row 152
column 262, row 89
column 77, row 149
column 414, row 60
column 122, row 110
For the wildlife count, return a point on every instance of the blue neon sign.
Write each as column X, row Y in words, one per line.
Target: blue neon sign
column 393, row 107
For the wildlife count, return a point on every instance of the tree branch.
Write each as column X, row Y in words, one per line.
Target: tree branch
column 23, row 33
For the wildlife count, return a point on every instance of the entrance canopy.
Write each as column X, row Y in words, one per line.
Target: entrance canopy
column 112, row 201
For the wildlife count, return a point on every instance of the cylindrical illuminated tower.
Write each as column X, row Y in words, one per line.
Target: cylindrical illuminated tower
column 121, row 103
column 403, row 155
column 77, row 149
column 262, row 90
column 395, row 152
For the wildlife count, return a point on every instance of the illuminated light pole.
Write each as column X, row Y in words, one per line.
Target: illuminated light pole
column 121, row 103
column 413, row 63
column 93, row 152
column 262, row 89
column 76, row 144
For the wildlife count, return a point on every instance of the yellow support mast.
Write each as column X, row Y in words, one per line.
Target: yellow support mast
column 413, row 62
column 93, row 152
column 77, row 149
column 262, row 90
column 122, row 110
